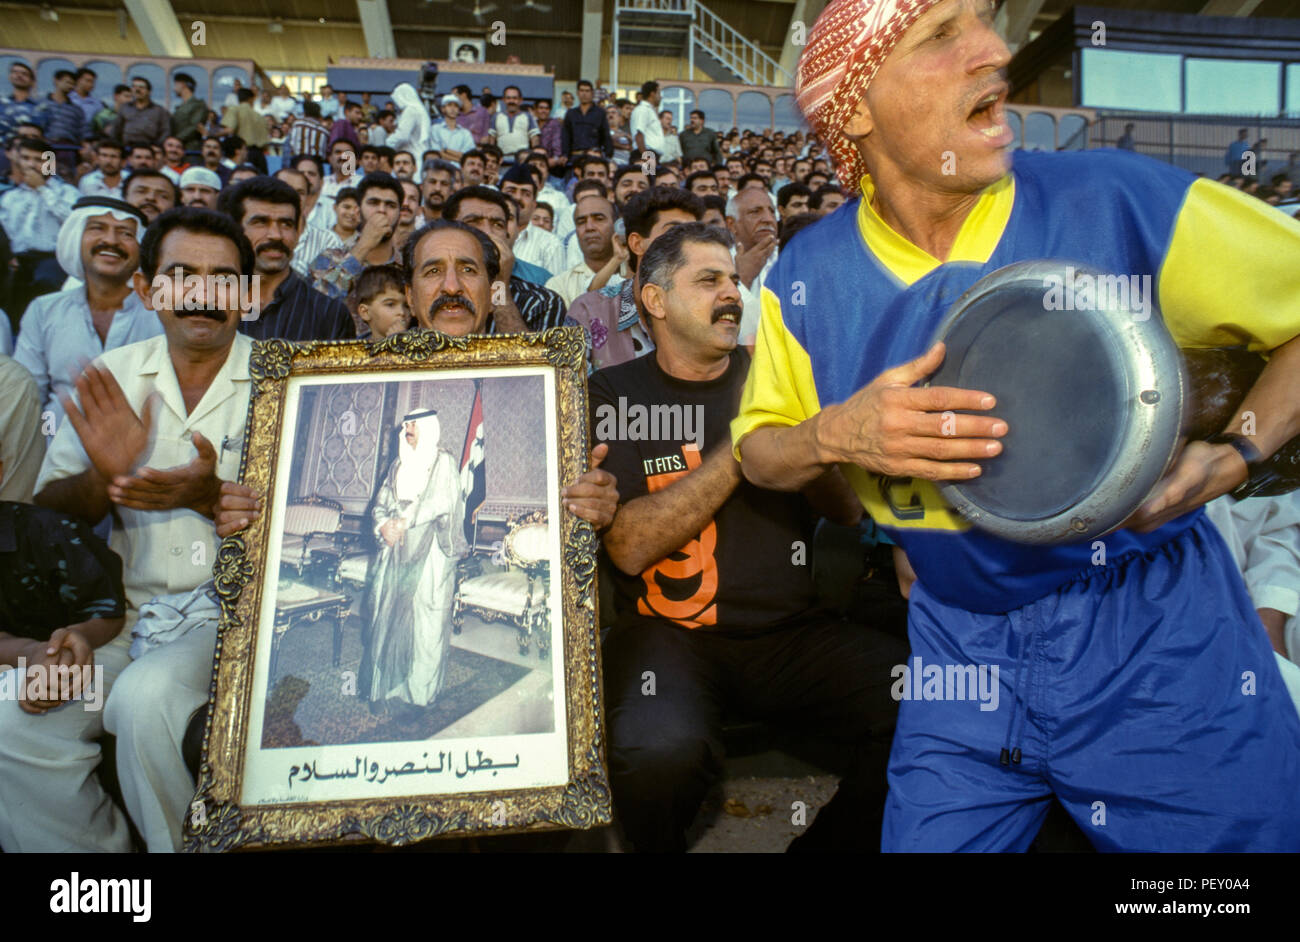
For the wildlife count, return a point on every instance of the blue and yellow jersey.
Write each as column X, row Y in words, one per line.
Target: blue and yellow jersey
column 849, row 298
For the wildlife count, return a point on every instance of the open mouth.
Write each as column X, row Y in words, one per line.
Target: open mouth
column 989, row 117
column 729, row 315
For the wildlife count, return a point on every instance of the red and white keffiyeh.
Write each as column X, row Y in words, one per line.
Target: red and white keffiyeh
column 847, row 45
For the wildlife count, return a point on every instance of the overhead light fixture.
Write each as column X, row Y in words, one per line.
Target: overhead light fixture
column 49, row 14
column 275, row 26
column 321, row 21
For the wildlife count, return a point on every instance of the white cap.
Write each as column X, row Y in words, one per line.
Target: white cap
column 200, row 176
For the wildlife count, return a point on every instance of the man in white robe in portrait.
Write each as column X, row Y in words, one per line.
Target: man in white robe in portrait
column 419, row 524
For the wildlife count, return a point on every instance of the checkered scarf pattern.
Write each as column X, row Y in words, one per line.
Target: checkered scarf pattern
column 847, row 45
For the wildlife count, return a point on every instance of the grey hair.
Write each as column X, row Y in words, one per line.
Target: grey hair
column 733, row 211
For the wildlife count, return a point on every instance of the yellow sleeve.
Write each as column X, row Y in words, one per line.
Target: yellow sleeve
column 780, row 389
column 1231, row 276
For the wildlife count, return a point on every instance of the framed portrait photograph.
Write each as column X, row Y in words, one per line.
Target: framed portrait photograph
column 469, row 50
column 408, row 645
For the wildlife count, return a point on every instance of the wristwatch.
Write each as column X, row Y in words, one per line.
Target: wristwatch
column 1262, row 475
column 1249, row 453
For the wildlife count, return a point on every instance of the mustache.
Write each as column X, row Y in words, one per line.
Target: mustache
column 217, row 314
column 447, row 300
column 724, row 309
column 105, row 247
column 273, row 245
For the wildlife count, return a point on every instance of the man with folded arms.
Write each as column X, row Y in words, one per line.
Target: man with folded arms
column 714, row 599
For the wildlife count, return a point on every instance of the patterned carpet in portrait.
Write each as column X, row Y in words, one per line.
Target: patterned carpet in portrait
column 308, row 706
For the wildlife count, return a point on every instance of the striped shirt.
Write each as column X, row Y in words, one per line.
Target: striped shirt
column 297, row 312
column 540, row 307
column 308, row 136
column 311, row 243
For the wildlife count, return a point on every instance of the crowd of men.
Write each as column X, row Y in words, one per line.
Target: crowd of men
column 126, row 401
column 538, row 167
column 368, row 224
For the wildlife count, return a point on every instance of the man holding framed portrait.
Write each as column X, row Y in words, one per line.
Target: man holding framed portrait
column 496, row 739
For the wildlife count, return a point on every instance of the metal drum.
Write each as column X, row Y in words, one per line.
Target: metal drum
column 1094, row 400
column 1098, row 398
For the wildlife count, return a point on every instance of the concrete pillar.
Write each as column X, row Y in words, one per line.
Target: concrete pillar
column 378, row 29
column 158, row 26
column 806, row 12
column 592, row 23
column 1014, row 20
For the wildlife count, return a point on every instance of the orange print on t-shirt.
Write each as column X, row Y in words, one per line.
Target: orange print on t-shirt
column 694, row 559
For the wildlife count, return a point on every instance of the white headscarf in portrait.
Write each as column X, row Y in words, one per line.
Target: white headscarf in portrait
column 67, row 248
column 415, row 464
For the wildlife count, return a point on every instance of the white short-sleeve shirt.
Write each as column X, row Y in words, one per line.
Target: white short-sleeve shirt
column 165, row 551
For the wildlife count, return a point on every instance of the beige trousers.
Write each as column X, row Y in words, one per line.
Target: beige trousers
column 148, row 711
column 50, row 798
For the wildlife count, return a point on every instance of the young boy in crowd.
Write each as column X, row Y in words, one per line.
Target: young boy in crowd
column 379, row 298
column 544, row 217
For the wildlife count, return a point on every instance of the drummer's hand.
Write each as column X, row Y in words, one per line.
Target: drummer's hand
column 1201, row 473
column 895, row 428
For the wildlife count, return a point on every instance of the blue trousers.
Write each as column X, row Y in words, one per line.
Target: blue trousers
column 1144, row 695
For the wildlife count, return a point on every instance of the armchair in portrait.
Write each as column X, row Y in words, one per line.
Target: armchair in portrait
column 310, row 523
column 512, row 585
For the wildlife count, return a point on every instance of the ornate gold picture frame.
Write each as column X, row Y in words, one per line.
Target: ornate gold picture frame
column 313, row 736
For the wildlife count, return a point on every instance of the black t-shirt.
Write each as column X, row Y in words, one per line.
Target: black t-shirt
column 751, row 565
column 54, row 572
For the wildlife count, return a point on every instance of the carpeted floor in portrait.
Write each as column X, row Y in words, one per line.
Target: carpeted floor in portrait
column 308, row 705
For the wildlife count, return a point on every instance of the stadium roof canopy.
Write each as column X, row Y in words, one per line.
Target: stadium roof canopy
column 302, row 35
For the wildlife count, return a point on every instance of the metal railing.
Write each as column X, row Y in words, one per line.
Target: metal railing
column 655, row 6
column 713, row 35
column 716, row 36
column 667, row 5
column 1199, row 142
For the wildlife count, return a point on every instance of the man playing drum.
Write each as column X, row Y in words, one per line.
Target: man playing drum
column 1139, row 688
